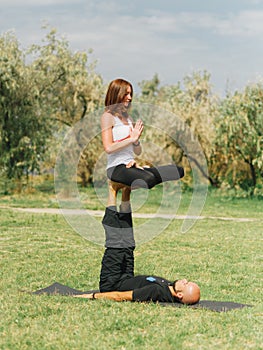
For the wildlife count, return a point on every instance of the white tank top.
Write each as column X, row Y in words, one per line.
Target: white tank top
column 120, row 132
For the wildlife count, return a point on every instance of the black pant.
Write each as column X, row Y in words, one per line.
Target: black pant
column 118, row 229
column 117, row 266
column 118, row 262
column 146, row 177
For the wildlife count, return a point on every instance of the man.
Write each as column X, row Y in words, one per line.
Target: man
column 117, row 281
column 152, row 288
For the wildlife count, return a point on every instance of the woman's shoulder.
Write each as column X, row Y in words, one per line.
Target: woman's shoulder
column 107, row 114
column 107, row 117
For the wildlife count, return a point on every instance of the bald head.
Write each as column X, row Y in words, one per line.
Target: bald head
column 191, row 294
column 186, row 292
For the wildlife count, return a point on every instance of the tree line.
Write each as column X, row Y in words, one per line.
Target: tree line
column 47, row 89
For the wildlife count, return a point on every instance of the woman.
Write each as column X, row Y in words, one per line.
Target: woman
column 121, row 140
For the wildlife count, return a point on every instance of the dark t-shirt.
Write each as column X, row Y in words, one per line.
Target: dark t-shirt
column 149, row 288
column 153, row 292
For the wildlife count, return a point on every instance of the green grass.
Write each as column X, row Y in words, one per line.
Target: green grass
column 223, row 257
column 170, row 200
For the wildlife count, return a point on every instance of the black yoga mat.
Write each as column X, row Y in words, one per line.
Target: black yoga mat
column 219, row 306
column 60, row 289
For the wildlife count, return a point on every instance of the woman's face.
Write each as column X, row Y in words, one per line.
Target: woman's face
column 127, row 97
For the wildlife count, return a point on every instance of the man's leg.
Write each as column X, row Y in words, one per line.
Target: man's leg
column 118, row 229
column 111, row 269
column 117, row 262
column 117, row 266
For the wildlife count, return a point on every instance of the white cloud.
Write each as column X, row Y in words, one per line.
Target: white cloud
column 36, row 3
column 245, row 23
column 136, row 44
column 254, row 2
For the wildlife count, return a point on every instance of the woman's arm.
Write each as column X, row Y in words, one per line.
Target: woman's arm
column 116, row 296
column 107, row 122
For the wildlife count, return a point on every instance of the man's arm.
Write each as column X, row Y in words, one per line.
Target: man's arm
column 116, row 296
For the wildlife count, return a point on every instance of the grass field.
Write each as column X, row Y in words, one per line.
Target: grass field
column 223, row 257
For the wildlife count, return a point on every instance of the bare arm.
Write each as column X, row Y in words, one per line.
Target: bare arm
column 116, row 296
column 107, row 122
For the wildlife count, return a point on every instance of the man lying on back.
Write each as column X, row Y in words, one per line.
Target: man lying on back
column 152, row 288
column 117, row 280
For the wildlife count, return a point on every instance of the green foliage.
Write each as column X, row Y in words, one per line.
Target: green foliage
column 240, row 137
column 23, row 128
column 149, row 88
column 47, row 90
column 68, row 85
column 229, row 130
column 71, row 90
column 42, row 89
column 196, row 107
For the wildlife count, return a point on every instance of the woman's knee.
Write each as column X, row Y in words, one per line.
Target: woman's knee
column 180, row 172
column 146, row 181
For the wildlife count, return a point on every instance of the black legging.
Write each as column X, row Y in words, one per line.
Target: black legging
column 146, row 177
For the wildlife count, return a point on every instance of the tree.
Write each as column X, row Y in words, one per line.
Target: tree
column 68, row 84
column 23, row 128
column 149, row 89
column 197, row 107
column 240, row 137
column 43, row 90
column 70, row 90
column 193, row 106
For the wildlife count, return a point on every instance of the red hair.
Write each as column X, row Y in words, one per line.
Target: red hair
column 116, row 91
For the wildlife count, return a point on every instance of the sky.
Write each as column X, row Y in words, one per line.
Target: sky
column 136, row 39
